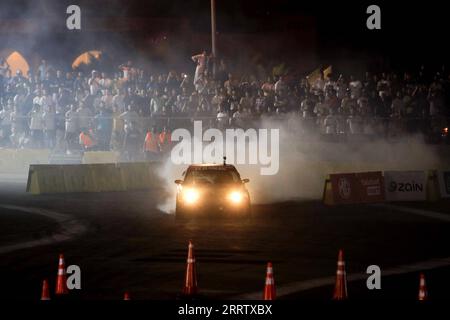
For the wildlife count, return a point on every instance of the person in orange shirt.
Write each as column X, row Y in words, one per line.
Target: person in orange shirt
column 164, row 140
column 151, row 148
column 86, row 140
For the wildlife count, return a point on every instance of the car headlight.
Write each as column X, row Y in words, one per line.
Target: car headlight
column 236, row 197
column 190, row 196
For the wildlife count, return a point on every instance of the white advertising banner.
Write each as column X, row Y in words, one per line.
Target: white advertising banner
column 405, row 185
column 444, row 183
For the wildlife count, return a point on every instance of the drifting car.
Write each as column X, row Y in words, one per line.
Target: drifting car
column 212, row 189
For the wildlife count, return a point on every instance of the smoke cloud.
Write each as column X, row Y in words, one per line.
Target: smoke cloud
column 306, row 160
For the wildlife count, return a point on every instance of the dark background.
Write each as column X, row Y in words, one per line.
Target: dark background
column 335, row 32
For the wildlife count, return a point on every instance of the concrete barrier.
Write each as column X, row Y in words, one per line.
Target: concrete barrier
column 135, row 176
column 19, row 160
column 105, row 177
column 78, row 178
column 92, row 157
column 45, row 179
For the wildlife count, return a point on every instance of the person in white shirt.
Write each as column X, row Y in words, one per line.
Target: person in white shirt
column 355, row 87
column 36, row 126
column 37, row 97
column 46, row 100
column 5, row 123
column 222, row 118
column 49, row 119
column 200, row 60
column 341, row 87
column 72, row 128
column 280, row 86
column 18, row 124
column 156, row 103
column 94, row 83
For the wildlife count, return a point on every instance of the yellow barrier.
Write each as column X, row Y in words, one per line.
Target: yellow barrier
column 92, row 157
column 328, row 198
column 46, row 179
column 103, row 177
column 78, row 178
column 135, row 176
column 106, row 177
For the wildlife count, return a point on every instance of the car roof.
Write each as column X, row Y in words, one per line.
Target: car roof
column 212, row 166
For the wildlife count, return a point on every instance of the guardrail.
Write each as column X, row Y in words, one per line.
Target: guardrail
column 17, row 133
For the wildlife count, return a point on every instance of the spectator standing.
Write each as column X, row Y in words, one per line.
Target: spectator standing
column 36, row 126
column 49, row 126
column 5, row 121
column 103, row 128
column 72, row 128
column 84, row 117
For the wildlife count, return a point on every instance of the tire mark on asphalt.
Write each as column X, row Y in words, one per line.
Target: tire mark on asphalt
column 68, row 228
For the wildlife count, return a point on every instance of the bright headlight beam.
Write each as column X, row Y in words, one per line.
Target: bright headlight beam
column 190, row 196
column 235, row 197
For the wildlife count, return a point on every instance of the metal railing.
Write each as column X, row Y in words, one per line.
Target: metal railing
column 37, row 130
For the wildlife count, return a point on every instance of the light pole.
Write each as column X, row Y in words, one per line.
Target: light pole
column 213, row 35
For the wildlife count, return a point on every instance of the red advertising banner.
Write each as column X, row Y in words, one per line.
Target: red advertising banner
column 371, row 187
column 344, row 188
column 364, row 187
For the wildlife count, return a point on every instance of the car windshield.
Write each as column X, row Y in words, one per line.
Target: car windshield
column 211, row 176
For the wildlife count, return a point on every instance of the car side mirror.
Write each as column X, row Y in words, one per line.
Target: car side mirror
column 245, row 180
column 179, row 181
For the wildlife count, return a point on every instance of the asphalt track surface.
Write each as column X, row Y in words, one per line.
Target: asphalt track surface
column 126, row 243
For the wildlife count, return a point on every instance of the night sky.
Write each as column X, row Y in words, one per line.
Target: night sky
column 410, row 30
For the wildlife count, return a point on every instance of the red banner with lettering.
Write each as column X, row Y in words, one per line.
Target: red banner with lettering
column 363, row 187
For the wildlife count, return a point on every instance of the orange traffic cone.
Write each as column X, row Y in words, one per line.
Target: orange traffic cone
column 269, row 289
column 340, row 289
column 61, row 280
column 126, row 296
column 423, row 294
column 45, row 290
column 190, row 285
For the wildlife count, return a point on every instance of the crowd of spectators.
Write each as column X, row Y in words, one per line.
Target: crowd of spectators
column 122, row 109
